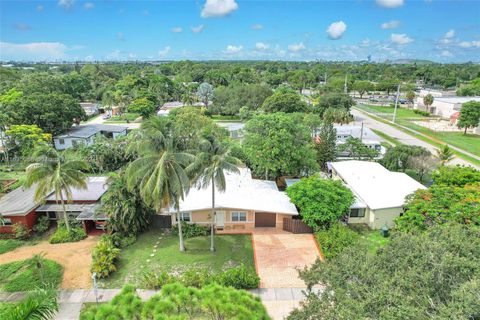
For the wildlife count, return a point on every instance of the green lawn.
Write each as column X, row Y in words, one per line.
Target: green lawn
column 21, row 276
column 373, row 238
column 218, row 117
column 136, row 259
column 402, row 112
column 9, row 245
column 130, row 116
column 386, row 137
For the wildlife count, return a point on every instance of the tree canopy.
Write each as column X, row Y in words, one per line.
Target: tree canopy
column 469, row 115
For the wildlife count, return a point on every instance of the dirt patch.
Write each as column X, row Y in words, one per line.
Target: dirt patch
column 75, row 257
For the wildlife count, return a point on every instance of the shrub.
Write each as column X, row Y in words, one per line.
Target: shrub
column 74, row 223
column 21, row 231
column 239, row 277
column 334, row 240
column 42, row 225
column 122, row 241
column 421, row 112
column 104, row 256
column 23, row 276
column 191, row 230
column 196, row 277
column 9, row 245
column 156, row 280
column 62, row 235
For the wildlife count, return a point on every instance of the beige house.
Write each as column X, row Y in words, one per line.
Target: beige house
column 246, row 204
column 379, row 193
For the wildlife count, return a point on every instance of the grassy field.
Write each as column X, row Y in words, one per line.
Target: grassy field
column 219, row 117
column 231, row 250
column 9, row 245
column 402, row 113
column 130, row 116
column 22, row 276
column 373, row 238
column 386, row 137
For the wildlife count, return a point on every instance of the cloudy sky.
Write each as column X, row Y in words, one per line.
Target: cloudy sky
column 439, row 30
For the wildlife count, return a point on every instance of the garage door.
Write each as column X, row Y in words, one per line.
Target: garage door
column 265, row 219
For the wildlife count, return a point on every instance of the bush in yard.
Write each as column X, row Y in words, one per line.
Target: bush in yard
column 191, row 230
column 239, row 277
column 421, row 112
column 104, row 257
column 322, row 202
column 334, row 240
column 26, row 276
column 156, row 280
column 21, row 231
column 120, row 240
column 42, row 225
column 62, row 235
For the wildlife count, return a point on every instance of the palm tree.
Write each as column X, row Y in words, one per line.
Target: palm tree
column 159, row 172
column 38, row 305
column 445, row 154
column 54, row 172
column 209, row 168
column 428, row 101
column 37, row 262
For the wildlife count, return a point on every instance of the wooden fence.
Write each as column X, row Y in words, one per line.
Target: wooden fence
column 296, row 226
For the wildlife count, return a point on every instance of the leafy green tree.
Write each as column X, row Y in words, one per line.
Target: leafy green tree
column 428, row 101
column 441, row 204
column 469, row 115
column 422, row 165
column 159, row 172
column 438, row 279
column 284, row 101
column 10, row 96
column 229, row 100
column 355, row 148
column 397, row 158
column 363, row 87
column 387, row 85
column 326, row 144
column 143, row 106
column 208, row 169
column 126, row 210
column 279, row 144
column 337, row 115
column 445, row 154
column 333, row 100
column 410, row 95
column 322, row 202
column 205, row 93
column 455, row 176
column 39, row 304
column 470, row 89
column 24, row 138
column 54, row 171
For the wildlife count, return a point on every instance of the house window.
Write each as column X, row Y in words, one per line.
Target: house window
column 185, row 216
column 61, row 141
column 238, row 216
column 357, row 213
column 52, row 215
column 7, row 221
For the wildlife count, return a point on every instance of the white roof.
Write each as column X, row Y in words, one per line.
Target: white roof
column 455, row 100
column 242, row 192
column 376, row 186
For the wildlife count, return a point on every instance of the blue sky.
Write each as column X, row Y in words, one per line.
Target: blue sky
column 439, row 30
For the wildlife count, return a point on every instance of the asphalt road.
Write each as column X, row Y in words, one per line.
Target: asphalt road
column 399, row 135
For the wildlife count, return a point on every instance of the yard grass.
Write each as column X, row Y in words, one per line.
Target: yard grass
column 130, row 116
column 402, row 113
column 373, row 238
column 386, row 137
column 231, row 250
column 9, row 245
column 219, row 117
column 21, row 276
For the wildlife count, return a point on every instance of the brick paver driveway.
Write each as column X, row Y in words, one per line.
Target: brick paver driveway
column 279, row 254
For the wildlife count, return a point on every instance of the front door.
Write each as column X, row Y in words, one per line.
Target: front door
column 220, row 219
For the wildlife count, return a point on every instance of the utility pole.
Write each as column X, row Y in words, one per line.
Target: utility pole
column 361, row 133
column 396, row 104
column 345, row 88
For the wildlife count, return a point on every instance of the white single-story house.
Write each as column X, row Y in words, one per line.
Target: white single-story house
column 379, row 193
column 90, row 108
column 85, row 134
column 367, row 136
column 235, row 129
column 168, row 106
column 445, row 106
column 246, row 204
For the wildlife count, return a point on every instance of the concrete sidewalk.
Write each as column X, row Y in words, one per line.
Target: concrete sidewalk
column 279, row 302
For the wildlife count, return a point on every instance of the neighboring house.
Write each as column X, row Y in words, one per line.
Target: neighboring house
column 19, row 206
column 445, row 107
column 235, row 129
column 85, row 134
column 90, row 108
column 168, row 106
column 246, row 204
column 379, row 193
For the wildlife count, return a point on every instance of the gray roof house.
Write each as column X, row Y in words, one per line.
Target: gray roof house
column 85, row 134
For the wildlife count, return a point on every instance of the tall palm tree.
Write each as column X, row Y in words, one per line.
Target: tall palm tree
column 209, row 167
column 55, row 172
column 445, row 154
column 159, row 173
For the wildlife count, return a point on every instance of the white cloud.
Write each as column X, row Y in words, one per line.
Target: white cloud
column 446, row 53
column 197, row 29
column 66, row 4
column 177, row 29
column 401, row 39
column 257, row 26
column 218, row 8
column 261, row 46
column 164, row 51
column 114, row 55
column 390, row 3
column 336, row 30
column 390, row 24
column 233, row 49
column 88, row 6
column 296, row 47
column 469, row 44
column 40, row 7
column 450, row 34
column 366, row 42
column 32, row 51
